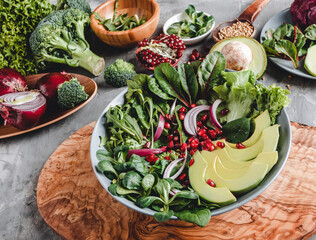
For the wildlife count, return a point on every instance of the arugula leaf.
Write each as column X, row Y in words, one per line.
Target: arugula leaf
column 237, row 130
column 169, row 81
column 199, row 216
column 132, row 180
column 163, row 216
column 210, row 70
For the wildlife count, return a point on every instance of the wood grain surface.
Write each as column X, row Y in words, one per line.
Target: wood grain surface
column 49, row 118
column 74, row 204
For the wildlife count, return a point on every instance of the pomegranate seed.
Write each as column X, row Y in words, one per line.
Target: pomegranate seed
column 191, row 162
column 182, row 176
column 175, row 138
column 156, row 159
column 190, row 139
column 198, row 128
column 164, row 148
column 202, row 143
column 167, row 158
column 192, row 58
column 204, row 117
column 181, row 116
column 175, row 132
column 167, row 125
column 169, row 137
column 181, row 155
column 192, row 152
column 210, row 146
column 196, row 53
column 218, row 132
column 212, row 134
column 147, row 145
column 199, row 123
column 220, row 144
column 177, row 145
column 194, row 145
column 150, row 157
column 211, row 183
column 204, row 136
column 240, row 146
column 183, row 147
column 193, row 105
column 182, row 110
column 224, row 112
column 201, row 132
column 171, row 145
column 168, row 117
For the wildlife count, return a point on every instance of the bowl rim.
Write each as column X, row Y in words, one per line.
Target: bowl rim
column 188, row 40
column 155, row 14
column 247, row 197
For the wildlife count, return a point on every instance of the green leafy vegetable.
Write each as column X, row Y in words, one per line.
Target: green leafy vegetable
column 288, row 48
column 310, row 32
column 237, row 130
column 198, row 24
column 200, row 216
column 163, row 216
column 18, row 20
column 106, row 167
column 132, row 180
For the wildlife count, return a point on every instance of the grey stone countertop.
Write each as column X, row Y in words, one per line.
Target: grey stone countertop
column 22, row 157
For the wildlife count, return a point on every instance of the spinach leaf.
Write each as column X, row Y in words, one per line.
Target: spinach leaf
column 163, row 188
column 123, row 191
column 199, row 216
column 123, row 167
column 237, row 131
column 120, row 153
column 139, row 164
column 178, row 204
column 106, row 167
column 310, row 32
column 102, row 154
column 132, row 180
column 155, row 89
column 159, row 166
column 169, row 81
column 112, row 189
column 173, row 183
column 163, row 216
column 184, row 194
column 188, row 81
column 146, row 201
column 148, row 182
column 210, row 70
column 288, row 48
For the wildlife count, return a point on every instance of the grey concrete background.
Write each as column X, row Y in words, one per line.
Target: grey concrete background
column 22, row 157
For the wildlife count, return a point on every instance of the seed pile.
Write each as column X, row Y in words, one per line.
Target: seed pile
column 235, row 30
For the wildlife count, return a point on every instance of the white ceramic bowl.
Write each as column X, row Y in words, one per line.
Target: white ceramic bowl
column 182, row 16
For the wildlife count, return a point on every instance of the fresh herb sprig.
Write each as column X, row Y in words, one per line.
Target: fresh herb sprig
column 120, row 23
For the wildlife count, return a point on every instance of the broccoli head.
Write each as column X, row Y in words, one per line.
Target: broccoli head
column 59, row 38
column 78, row 4
column 70, row 94
column 118, row 73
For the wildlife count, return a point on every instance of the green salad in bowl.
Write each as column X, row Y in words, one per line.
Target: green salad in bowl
column 193, row 141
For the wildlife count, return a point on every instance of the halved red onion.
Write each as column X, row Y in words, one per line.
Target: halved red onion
column 48, row 85
column 213, row 109
column 23, row 110
column 189, row 121
column 11, row 81
column 146, row 152
column 173, row 164
column 160, row 127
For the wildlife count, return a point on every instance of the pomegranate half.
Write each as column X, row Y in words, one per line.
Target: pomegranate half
column 163, row 48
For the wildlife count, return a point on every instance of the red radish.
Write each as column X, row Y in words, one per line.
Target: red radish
column 163, row 48
column 23, row 110
column 48, row 85
column 11, row 81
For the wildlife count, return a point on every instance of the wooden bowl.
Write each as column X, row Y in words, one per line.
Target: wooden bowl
column 129, row 38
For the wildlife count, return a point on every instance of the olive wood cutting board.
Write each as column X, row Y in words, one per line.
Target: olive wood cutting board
column 75, row 205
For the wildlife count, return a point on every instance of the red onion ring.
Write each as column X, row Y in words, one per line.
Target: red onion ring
column 160, row 127
column 213, row 109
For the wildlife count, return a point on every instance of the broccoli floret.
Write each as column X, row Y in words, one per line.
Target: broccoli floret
column 78, row 4
column 59, row 38
column 70, row 94
column 118, row 73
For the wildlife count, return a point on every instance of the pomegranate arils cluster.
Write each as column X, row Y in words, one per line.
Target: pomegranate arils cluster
column 163, row 48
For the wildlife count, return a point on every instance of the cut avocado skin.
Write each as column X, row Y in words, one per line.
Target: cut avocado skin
column 259, row 62
column 221, row 196
column 310, row 60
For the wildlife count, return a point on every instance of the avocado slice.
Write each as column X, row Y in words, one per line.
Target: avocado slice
column 241, row 184
column 310, row 60
column 225, row 166
column 261, row 122
column 259, row 62
column 267, row 143
column 221, row 196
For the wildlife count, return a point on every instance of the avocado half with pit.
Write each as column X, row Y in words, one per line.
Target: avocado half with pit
column 258, row 63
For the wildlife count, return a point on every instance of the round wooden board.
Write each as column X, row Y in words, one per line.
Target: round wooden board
column 74, row 204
